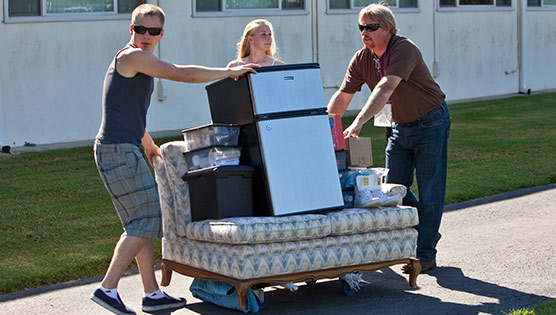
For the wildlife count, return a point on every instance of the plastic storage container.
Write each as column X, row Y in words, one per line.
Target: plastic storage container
column 220, row 192
column 211, row 135
column 212, row 156
column 341, row 159
column 349, row 197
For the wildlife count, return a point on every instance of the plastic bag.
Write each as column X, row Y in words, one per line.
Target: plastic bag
column 348, row 178
column 225, row 295
column 368, row 192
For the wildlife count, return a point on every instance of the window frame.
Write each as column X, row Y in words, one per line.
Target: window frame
column 248, row 12
column 475, row 7
column 354, row 9
column 542, row 7
column 65, row 17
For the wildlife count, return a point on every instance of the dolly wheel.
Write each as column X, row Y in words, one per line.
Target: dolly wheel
column 348, row 290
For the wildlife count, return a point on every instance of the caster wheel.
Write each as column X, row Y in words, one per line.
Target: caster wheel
column 347, row 288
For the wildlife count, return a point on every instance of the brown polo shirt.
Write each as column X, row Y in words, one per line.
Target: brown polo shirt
column 416, row 94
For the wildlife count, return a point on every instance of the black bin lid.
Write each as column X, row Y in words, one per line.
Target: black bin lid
column 220, row 171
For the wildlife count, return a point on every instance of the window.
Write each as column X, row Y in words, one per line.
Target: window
column 541, row 3
column 67, row 9
column 247, row 7
column 358, row 4
column 477, row 3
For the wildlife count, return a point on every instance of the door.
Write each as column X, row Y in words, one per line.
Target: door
column 299, row 164
column 287, row 90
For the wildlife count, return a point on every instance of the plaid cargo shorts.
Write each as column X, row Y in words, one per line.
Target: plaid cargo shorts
column 131, row 186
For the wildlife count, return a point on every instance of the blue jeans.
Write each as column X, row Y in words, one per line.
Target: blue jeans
column 421, row 146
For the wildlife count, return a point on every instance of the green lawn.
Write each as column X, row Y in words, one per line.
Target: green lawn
column 58, row 223
column 547, row 308
column 495, row 146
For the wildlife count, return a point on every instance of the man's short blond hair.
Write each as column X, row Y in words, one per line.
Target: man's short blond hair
column 382, row 14
column 148, row 9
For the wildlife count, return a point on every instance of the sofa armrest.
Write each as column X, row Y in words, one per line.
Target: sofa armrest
column 166, row 198
column 173, row 190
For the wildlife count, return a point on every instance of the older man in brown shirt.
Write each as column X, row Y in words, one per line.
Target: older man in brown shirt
column 393, row 68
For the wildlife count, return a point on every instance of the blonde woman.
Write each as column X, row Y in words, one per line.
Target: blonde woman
column 257, row 45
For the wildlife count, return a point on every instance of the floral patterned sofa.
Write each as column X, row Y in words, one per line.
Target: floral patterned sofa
column 247, row 251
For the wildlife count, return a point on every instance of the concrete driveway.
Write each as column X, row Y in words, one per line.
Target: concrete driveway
column 496, row 254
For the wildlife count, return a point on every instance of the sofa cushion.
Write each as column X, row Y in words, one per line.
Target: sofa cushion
column 250, row 230
column 360, row 220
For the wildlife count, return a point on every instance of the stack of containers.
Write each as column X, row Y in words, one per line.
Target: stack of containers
column 353, row 158
column 219, row 187
column 341, row 156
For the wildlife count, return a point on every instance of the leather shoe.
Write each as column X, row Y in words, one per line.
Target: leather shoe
column 428, row 265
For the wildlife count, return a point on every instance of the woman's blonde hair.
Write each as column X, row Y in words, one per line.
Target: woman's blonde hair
column 243, row 48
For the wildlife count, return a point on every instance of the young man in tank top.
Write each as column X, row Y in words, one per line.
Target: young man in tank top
column 393, row 68
column 128, row 86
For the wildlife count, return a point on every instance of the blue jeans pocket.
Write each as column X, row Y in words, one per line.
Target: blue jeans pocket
column 435, row 117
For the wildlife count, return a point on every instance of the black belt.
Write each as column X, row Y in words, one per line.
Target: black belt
column 411, row 123
column 418, row 120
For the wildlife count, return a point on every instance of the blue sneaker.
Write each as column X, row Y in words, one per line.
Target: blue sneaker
column 114, row 305
column 166, row 304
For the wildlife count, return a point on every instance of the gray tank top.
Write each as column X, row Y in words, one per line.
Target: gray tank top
column 125, row 102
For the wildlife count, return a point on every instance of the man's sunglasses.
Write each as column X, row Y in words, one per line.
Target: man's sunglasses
column 369, row 27
column 153, row 31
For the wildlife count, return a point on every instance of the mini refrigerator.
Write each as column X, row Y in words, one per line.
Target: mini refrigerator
column 285, row 136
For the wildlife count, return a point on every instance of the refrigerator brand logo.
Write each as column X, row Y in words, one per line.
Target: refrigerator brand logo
column 289, row 78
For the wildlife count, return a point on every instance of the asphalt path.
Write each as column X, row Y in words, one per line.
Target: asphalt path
column 496, row 254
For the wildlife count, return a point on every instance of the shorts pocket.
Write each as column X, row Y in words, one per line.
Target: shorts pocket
column 108, row 161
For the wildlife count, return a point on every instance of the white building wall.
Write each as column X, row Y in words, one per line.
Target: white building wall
column 540, row 45
column 477, row 53
column 51, row 73
column 52, row 77
column 2, row 125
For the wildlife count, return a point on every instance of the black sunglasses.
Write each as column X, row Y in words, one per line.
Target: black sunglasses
column 153, row 31
column 369, row 27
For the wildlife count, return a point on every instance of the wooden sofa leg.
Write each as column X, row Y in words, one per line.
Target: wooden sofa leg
column 166, row 274
column 242, row 289
column 415, row 270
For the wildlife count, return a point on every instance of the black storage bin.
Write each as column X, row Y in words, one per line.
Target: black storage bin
column 341, row 159
column 220, row 192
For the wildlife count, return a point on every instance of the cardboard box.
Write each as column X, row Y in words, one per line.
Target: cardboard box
column 359, row 151
column 337, row 132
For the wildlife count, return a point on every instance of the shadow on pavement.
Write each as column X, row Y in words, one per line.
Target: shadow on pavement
column 453, row 278
column 389, row 293
column 498, row 197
